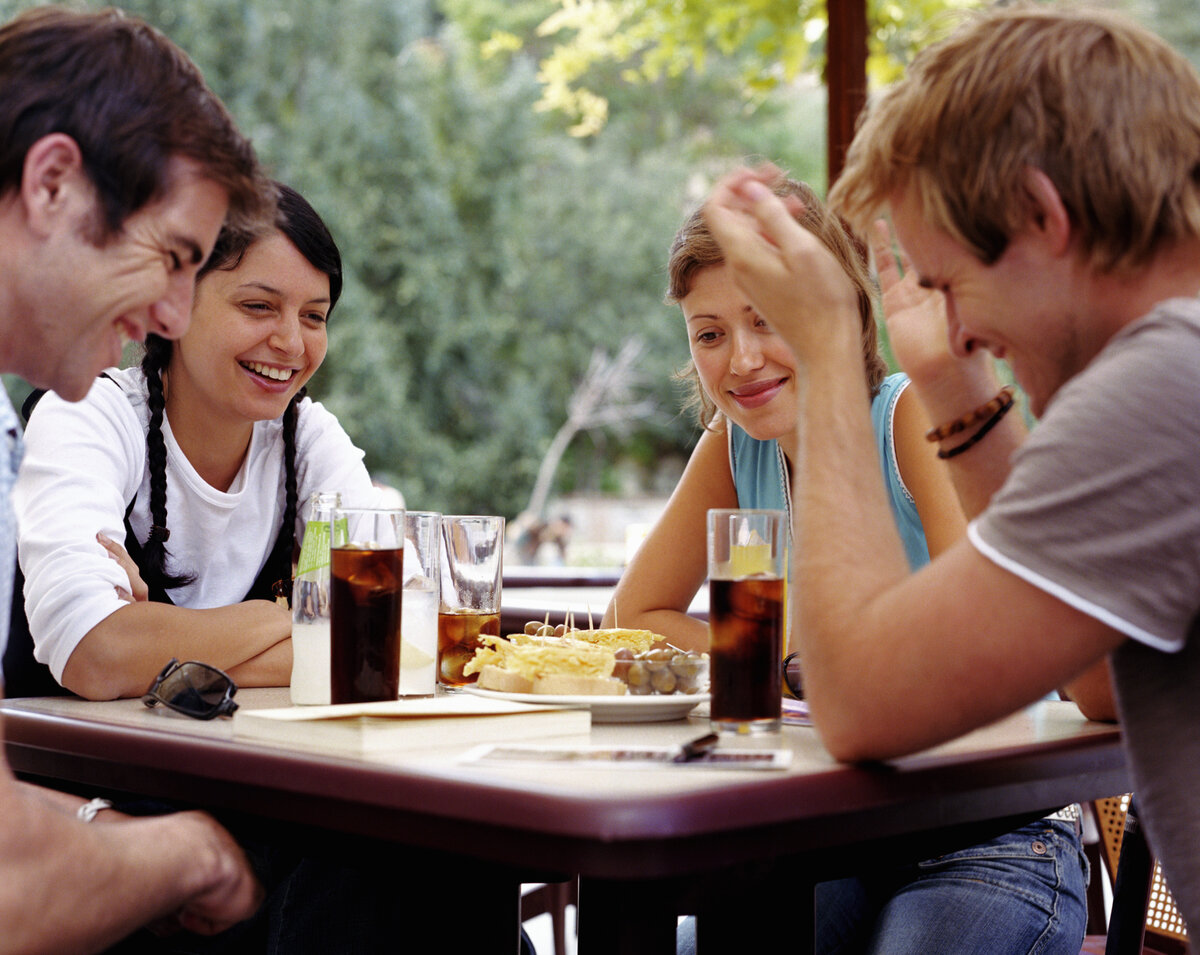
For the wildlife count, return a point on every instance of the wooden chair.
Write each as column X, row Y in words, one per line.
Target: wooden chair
column 1144, row 918
column 538, row 898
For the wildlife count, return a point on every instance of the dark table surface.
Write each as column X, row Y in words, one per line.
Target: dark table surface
column 647, row 843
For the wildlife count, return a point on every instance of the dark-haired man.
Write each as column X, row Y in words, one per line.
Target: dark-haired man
column 118, row 167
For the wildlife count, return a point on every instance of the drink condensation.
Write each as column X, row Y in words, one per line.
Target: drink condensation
column 310, row 604
column 747, row 561
column 418, row 650
column 365, row 637
column 471, row 566
column 458, row 639
column 310, row 661
column 745, row 620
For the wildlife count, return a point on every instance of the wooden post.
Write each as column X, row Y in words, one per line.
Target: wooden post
column 845, row 77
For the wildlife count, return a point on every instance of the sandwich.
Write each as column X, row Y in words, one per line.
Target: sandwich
column 548, row 665
column 616, row 638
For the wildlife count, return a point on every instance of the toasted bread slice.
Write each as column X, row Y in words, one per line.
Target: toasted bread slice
column 492, row 677
column 569, row 684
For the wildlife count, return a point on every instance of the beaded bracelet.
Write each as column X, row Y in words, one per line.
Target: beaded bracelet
column 986, row 410
column 987, row 426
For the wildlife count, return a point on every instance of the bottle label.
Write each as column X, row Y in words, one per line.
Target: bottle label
column 314, row 552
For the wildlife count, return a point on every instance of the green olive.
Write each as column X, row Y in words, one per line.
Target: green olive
column 664, row 681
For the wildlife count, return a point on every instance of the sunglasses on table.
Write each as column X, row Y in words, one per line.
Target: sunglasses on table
column 792, row 680
column 194, row 689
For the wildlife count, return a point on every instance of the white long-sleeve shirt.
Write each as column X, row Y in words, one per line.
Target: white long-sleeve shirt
column 85, row 462
column 10, row 458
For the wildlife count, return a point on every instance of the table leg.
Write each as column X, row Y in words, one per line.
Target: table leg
column 627, row 917
column 495, row 918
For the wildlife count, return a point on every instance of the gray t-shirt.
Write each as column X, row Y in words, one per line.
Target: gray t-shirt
column 1102, row 510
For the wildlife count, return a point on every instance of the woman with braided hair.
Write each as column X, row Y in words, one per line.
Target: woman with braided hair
column 162, row 508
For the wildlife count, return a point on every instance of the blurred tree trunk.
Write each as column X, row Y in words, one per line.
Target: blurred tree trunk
column 604, row 398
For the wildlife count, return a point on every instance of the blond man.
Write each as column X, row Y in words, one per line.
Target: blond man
column 1042, row 171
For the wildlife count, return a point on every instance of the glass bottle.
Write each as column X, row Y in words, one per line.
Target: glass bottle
column 310, row 604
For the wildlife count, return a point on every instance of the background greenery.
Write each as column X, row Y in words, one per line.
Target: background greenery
column 489, row 247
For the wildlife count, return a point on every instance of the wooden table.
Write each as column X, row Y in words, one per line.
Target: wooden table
column 740, row 848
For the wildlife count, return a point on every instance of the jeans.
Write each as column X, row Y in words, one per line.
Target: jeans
column 1023, row 892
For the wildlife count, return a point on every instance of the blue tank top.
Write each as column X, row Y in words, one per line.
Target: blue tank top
column 760, row 472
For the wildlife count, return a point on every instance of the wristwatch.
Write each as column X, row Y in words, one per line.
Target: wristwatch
column 89, row 810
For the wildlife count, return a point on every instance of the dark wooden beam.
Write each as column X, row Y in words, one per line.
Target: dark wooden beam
column 845, row 76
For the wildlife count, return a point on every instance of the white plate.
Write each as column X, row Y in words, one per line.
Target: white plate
column 612, row 709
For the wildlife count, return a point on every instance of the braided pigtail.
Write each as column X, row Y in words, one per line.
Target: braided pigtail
column 155, row 554
column 290, row 418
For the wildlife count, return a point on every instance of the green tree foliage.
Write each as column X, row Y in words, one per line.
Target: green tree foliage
column 485, row 257
column 487, row 252
column 769, row 42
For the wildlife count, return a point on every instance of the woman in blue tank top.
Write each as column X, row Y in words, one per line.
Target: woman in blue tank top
column 1021, row 892
column 746, row 390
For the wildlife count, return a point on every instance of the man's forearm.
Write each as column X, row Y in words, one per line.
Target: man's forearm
column 847, row 547
column 69, row 887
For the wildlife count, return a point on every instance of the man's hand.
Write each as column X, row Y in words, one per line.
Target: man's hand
column 917, row 330
column 790, row 278
column 915, row 316
column 226, row 890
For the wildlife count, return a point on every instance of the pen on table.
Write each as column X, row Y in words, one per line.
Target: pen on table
column 696, row 749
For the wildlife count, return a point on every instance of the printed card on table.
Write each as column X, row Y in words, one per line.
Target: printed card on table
column 633, row 757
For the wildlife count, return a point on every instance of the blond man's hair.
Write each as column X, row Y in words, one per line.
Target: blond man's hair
column 1104, row 108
